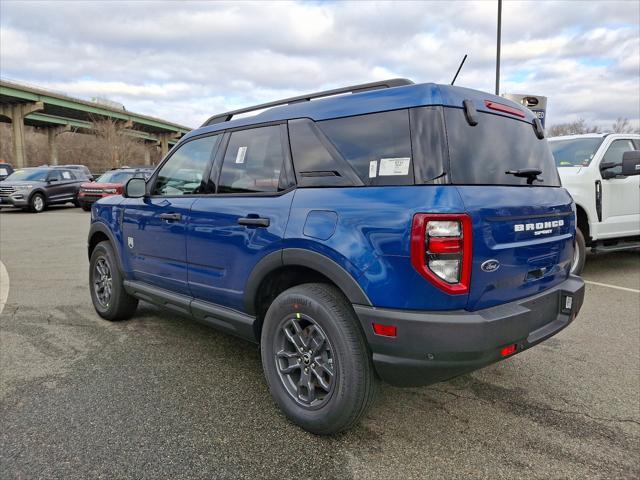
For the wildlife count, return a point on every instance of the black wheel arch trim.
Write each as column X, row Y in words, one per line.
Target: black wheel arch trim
column 302, row 258
column 100, row 227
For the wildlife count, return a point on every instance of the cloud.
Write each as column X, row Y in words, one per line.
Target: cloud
column 184, row 61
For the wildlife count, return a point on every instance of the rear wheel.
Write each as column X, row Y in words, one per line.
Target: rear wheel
column 579, row 254
column 108, row 295
column 37, row 203
column 316, row 360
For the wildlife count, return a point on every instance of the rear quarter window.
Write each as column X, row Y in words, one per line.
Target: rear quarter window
column 377, row 146
column 481, row 154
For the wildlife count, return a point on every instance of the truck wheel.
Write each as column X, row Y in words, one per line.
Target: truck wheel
column 85, row 207
column 580, row 254
column 37, row 203
column 315, row 359
column 109, row 298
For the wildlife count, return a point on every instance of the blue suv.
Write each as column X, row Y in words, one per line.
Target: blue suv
column 407, row 232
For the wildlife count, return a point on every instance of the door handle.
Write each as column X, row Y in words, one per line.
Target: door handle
column 253, row 221
column 171, row 217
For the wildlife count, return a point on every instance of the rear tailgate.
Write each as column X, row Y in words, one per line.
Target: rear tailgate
column 526, row 232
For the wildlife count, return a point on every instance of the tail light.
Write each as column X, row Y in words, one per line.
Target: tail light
column 441, row 250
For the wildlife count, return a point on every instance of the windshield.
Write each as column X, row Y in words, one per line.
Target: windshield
column 577, row 152
column 37, row 175
column 115, row 177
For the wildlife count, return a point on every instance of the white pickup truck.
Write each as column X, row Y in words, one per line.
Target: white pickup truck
column 604, row 181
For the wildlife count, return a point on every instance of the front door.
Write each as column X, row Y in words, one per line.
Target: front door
column 154, row 227
column 231, row 231
column 620, row 196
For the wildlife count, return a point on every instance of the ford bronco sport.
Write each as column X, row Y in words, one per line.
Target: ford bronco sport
column 408, row 232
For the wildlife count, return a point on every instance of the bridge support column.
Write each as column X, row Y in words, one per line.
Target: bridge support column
column 16, row 112
column 163, row 140
column 52, row 133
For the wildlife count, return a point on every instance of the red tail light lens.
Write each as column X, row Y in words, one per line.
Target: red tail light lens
column 501, row 107
column 441, row 250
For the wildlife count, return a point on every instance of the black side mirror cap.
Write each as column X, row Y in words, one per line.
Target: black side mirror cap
column 631, row 163
column 135, row 188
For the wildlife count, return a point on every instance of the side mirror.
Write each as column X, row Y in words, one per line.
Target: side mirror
column 135, row 188
column 631, row 163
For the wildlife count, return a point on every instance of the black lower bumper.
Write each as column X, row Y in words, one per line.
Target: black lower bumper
column 434, row 346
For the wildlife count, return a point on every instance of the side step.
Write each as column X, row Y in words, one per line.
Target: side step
column 615, row 248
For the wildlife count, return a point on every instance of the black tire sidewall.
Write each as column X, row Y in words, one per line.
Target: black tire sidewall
column 349, row 363
column 582, row 253
column 118, row 294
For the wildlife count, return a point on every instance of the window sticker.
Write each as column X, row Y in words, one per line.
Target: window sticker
column 3, row 171
column 373, row 168
column 242, row 152
column 394, row 166
column 66, row 175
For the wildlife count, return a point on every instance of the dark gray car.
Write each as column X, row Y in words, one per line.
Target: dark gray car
column 33, row 189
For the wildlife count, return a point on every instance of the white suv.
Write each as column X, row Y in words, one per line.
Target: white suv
column 607, row 195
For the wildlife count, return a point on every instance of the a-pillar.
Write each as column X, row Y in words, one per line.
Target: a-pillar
column 52, row 133
column 16, row 112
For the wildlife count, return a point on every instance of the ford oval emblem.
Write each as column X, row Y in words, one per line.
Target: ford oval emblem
column 490, row 266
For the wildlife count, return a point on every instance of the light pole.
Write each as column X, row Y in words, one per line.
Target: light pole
column 499, row 35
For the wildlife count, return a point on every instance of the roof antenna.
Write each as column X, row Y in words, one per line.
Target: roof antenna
column 459, row 68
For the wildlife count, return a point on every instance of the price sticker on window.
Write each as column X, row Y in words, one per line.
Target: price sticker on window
column 242, row 152
column 394, row 166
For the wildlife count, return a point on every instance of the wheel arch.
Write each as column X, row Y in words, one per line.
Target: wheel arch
column 286, row 268
column 99, row 232
column 582, row 222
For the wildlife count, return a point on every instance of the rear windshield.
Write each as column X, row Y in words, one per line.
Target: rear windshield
column 576, row 152
column 481, row 154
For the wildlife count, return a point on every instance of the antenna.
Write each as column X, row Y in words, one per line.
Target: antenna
column 459, row 68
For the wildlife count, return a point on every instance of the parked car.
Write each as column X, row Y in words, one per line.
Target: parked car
column 83, row 168
column 109, row 183
column 411, row 232
column 5, row 170
column 34, row 189
column 605, row 187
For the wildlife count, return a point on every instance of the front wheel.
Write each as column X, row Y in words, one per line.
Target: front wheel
column 579, row 254
column 315, row 359
column 106, row 284
column 37, row 203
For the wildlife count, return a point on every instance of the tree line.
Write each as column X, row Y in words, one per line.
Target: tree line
column 580, row 126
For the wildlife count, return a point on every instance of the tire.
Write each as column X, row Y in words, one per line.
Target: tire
column 580, row 254
column 37, row 203
column 349, row 392
column 103, row 267
column 85, row 207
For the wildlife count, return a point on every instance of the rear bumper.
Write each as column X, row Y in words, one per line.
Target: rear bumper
column 434, row 346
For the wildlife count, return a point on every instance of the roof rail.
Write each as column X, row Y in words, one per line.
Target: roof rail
column 394, row 82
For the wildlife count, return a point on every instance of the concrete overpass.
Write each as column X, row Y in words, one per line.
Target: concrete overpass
column 26, row 105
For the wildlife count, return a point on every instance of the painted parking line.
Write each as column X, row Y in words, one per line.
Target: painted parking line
column 4, row 286
column 612, row 286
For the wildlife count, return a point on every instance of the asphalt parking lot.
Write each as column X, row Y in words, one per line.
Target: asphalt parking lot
column 164, row 397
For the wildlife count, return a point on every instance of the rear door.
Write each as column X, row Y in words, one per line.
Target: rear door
column 526, row 231
column 154, row 227
column 231, row 231
column 55, row 186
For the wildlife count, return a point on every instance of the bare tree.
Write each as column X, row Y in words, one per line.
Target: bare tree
column 572, row 128
column 622, row 125
column 121, row 147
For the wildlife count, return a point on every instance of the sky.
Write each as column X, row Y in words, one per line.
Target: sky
column 186, row 61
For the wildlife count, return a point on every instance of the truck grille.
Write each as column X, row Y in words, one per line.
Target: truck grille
column 6, row 191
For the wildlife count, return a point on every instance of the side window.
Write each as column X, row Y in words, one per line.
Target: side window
column 316, row 163
column 378, row 146
column 54, row 175
column 429, row 144
column 183, row 173
column 615, row 151
column 253, row 162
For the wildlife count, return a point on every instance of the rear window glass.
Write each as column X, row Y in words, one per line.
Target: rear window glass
column 377, row 146
column 480, row 155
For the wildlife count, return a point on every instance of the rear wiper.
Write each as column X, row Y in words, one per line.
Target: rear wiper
column 531, row 174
